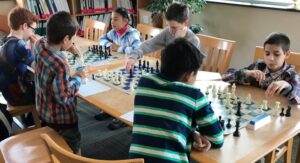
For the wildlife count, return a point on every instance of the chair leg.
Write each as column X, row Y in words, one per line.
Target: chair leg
column 288, row 153
column 1, row 158
column 36, row 119
column 298, row 153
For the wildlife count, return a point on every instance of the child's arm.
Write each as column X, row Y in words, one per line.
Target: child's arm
column 24, row 55
column 134, row 39
column 106, row 40
column 208, row 123
column 64, row 86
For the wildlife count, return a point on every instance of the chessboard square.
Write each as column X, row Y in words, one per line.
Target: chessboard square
column 253, row 114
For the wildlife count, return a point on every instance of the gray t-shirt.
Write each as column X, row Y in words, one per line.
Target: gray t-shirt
column 160, row 41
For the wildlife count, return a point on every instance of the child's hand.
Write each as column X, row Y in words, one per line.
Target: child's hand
column 129, row 65
column 74, row 50
column 181, row 32
column 114, row 47
column 33, row 38
column 276, row 87
column 82, row 73
column 257, row 74
column 201, row 143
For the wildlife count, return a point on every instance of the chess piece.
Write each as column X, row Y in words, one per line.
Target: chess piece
column 132, row 85
column 122, row 81
column 151, row 70
column 148, row 66
column 144, row 64
column 265, row 104
column 233, row 89
column 157, row 66
column 235, row 100
column 207, row 90
column 228, row 125
column 276, row 108
column 109, row 52
column 237, row 132
column 282, row 112
column 130, row 73
column 225, row 90
column 219, row 91
column 230, row 109
column 260, row 109
column 288, row 111
column 214, row 91
column 228, row 95
column 238, row 112
column 93, row 76
column 221, row 122
column 140, row 64
column 248, row 99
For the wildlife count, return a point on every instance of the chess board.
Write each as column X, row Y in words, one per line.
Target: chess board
column 130, row 82
column 91, row 58
column 248, row 112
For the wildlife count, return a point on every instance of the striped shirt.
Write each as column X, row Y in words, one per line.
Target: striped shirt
column 287, row 73
column 55, row 89
column 129, row 40
column 165, row 115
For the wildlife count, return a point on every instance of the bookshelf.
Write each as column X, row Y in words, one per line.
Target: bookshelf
column 81, row 9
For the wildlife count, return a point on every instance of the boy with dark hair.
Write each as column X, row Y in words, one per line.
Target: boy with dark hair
column 16, row 58
column 55, row 88
column 177, row 16
column 273, row 73
column 168, row 108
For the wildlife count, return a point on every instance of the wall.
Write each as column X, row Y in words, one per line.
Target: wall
column 248, row 26
column 6, row 6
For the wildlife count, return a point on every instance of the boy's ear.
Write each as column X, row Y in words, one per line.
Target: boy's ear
column 287, row 54
column 66, row 39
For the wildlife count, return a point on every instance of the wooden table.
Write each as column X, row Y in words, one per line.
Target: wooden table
column 249, row 147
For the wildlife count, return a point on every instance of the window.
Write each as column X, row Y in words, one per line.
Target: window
column 283, row 4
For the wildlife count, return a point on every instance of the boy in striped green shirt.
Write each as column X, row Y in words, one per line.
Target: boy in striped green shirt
column 168, row 109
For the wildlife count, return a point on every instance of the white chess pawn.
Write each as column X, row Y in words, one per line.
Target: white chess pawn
column 122, row 81
column 276, row 108
column 228, row 95
column 233, row 88
column 230, row 108
column 248, row 99
column 265, row 104
column 132, row 85
column 235, row 100
column 214, row 91
column 207, row 90
column 219, row 90
column 225, row 90
column 260, row 109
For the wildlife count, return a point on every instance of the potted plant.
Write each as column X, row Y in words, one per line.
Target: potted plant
column 159, row 7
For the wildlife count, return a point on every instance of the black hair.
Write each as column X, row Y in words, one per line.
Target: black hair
column 180, row 57
column 280, row 39
column 123, row 12
column 60, row 25
column 177, row 12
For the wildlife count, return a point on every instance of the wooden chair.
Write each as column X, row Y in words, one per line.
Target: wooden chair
column 293, row 60
column 4, row 24
column 58, row 154
column 298, row 152
column 218, row 53
column 20, row 111
column 94, row 29
column 29, row 146
column 285, row 149
column 148, row 32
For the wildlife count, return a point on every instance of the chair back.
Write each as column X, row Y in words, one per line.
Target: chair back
column 4, row 24
column 58, row 154
column 293, row 60
column 94, row 29
column 148, row 32
column 218, row 53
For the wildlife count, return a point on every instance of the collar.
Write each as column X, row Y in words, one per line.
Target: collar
column 277, row 73
column 121, row 31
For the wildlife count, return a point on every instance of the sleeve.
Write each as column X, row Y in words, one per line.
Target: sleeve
column 134, row 41
column 194, row 39
column 207, row 122
column 294, row 94
column 23, row 55
column 149, row 46
column 65, row 87
column 237, row 75
column 106, row 40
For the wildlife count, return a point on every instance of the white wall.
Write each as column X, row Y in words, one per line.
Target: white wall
column 6, row 6
column 248, row 26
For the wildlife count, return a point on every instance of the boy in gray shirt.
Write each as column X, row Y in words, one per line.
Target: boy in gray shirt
column 177, row 16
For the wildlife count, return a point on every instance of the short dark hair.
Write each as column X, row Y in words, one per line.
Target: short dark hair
column 177, row 12
column 60, row 25
column 123, row 12
column 280, row 39
column 180, row 57
column 18, row 16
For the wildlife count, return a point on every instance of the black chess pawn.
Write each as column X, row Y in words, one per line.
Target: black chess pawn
column 237, row 132
column 130, row 73
column 144, row 64
column 105, row 54
column 140, row 64
column 152, row 70
column 89, row 48
column 228, row 125
column 157, row 66
column 93, row 76
column 282, row 112
column 288, row 111
column 238, row 112
column 109, row 52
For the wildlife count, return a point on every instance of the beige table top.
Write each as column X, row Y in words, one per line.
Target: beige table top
column 249, row 147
